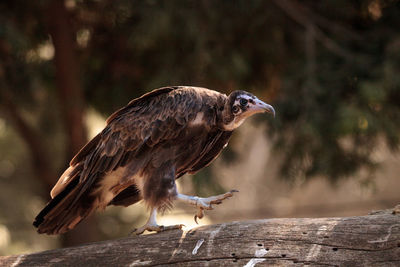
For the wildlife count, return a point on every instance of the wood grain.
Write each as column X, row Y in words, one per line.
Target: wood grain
column 372, row 240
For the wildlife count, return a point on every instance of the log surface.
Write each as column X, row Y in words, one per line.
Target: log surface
column 372, row 240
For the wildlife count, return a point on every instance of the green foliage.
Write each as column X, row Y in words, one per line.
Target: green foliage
column 331, row 120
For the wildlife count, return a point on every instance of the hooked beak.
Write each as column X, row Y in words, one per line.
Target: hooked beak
column 259, row 106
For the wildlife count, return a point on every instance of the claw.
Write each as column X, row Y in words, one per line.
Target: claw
column 203, row 204
column 151, row 225
column 133, row 231
column 138, row 231
column 199, row 214
column 158, row 229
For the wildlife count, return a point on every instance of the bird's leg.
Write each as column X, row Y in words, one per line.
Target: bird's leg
column 151, row 225
column 204, row 203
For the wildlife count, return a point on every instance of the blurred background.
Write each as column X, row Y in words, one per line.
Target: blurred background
column 330, row 69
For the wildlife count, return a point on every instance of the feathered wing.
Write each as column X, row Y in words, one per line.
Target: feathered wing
column 143, row 123
column 214, row 147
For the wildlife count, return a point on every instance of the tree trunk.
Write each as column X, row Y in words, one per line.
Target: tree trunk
column 353, row 241
column 71, row 99
column 68, row 85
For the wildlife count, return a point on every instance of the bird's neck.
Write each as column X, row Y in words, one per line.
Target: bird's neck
column 226, row 120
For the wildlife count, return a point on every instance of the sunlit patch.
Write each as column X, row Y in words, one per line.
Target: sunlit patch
column 94, row 122
column 43, row 52
column 5, row 237
column 70, row 4
column 83, row 37
column 46, row 51
column 375, row 9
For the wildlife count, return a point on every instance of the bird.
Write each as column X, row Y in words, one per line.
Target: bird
column 144, row 147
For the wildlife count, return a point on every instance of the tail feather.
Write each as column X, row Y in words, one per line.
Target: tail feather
column 64, row 212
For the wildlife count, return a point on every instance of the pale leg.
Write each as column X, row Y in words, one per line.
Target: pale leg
column 151, row 225
column 204, row 203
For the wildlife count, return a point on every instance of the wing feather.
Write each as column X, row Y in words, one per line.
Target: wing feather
column 212, row 148
column 146, row 121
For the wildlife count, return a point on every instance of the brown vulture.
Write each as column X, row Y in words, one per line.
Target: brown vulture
column 144, row 148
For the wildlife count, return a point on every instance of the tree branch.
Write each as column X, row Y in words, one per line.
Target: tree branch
column 351, row 241
column 296, row 12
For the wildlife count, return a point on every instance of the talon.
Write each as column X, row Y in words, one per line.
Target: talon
column 132, row 231
column 137, row 231
column 199, row 214
column 203, row 204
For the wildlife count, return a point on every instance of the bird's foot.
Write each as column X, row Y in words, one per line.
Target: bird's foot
column 152, row 226
column 206, row 203
column 155, row 228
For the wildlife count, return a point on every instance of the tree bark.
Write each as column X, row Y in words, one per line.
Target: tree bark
column 70, row 92
column 353, row 241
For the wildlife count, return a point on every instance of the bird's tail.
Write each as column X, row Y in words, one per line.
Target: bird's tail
column 65, row 210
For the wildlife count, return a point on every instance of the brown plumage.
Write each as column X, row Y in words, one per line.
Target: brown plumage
column 145, row 146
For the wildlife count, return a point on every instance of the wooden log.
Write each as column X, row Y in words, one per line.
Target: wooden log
column 372, row 240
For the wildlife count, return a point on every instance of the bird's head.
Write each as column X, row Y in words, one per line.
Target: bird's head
column 241, row 105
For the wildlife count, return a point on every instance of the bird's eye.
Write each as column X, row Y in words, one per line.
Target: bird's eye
column 235, row 109
column 243, row 102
